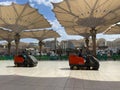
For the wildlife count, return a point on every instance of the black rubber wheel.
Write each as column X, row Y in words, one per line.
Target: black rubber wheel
column 18, row 65
column 95, row 68
column 75, row 67
column 71, row 68
column 31, row 65
column 88, row 67
column 15, row 65
column 25, row 65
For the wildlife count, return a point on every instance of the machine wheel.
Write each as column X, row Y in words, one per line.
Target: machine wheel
column 88, row 67
column 71, row 68
column 25, row 65
column 31, row 65
column 95, row 68
column 18, row 65
column 15, row 65
column 74, row 67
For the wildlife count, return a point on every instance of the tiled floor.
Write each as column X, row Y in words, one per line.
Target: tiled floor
column 56, row 75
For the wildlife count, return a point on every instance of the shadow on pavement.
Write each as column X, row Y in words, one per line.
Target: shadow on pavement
column 16, row 82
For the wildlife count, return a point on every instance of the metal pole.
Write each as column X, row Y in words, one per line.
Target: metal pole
column 40, row 46
column 9, row 47
column 55, row 45
column 17, row 39
column 87, row 42
column 93, row 34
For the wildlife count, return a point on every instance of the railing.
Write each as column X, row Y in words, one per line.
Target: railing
column 103, row 57
column 106, row 57
column 5, row 57
column 44, row 57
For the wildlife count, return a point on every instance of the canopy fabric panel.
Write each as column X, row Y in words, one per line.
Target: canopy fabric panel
column 84, row 31
column 113, row 30
column 87, row 13
column 40, row 34
column 6, row 35
column 9, row 35
column 76, row 30
column 21, row 17
column 102, row 28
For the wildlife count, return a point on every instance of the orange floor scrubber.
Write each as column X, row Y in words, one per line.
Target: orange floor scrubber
column 89, row 62
column 25, row 61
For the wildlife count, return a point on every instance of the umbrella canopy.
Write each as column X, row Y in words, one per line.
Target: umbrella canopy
column 89, row 14
column 17, row 18
column 21, row 17
column 113, row 29
column 9, row 37
column 84, row 31
column 6, row 35
column 76, row 30
column 40, row 34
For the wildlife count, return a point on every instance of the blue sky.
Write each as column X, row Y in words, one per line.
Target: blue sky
column 45, row 7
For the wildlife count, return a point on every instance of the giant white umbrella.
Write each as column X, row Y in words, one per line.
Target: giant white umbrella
column 76, row 30
column 41, row 35
column 91, row 14
column 113, row 30
column 21, row 17
column 83, row 31
column 8, row 36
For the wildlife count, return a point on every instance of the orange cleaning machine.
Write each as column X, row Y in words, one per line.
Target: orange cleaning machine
column 88, row 62
column 25, row 61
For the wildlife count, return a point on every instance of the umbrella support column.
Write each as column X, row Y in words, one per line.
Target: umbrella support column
column 93, row 34
column 55, row 45
column 9, row 47
column 17, row 39
column 87, row 42
column 40, row 47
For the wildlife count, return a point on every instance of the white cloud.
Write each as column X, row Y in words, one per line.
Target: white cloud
column 32, row 5
column 6, row 3
column 46, row 2
column 55, row 1
column 55, row 24
column 57, row 27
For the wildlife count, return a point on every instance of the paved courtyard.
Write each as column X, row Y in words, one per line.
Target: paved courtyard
column 56, row 75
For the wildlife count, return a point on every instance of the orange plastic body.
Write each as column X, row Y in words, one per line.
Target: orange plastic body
column 18, row 59
column 75, row 60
